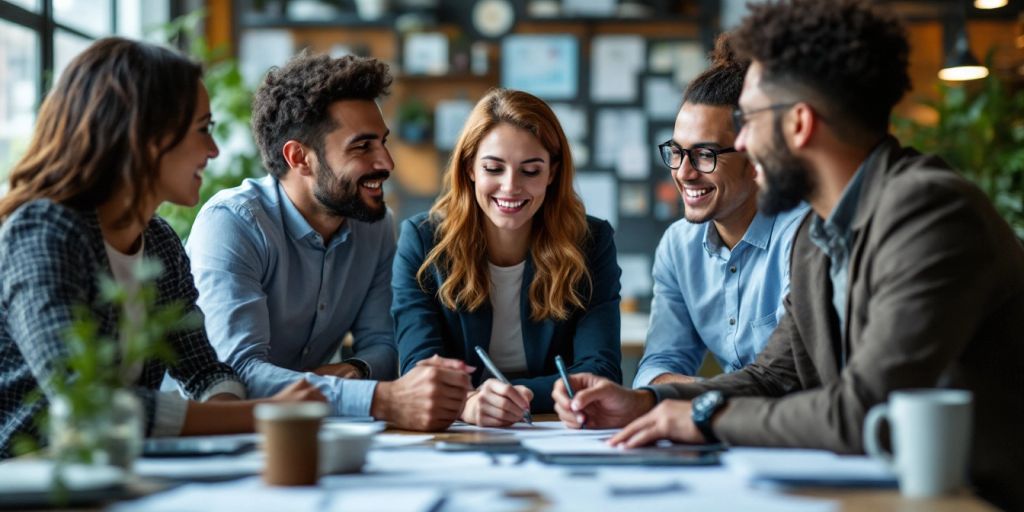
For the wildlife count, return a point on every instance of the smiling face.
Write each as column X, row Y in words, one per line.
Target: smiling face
column 181, row 168
column 724, row 192
column 784, row 179
column 354, row 162
column 511, row 173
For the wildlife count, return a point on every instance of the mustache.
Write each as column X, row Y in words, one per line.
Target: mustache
column 374, row 176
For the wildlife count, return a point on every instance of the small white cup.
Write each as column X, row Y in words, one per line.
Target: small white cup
column 343, row 447
column 931, row 437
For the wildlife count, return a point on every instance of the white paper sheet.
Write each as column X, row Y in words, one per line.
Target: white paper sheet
column 399, row 440
column 615, row 62
column 252, row 495
column 618, row 128
column 539, row 429
column 806, row 467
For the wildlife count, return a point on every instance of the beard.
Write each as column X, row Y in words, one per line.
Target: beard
column 341, row 196
column 787, row 181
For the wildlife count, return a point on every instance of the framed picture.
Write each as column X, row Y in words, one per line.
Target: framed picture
column 544, row 65
column 616, row 61
column 662, row 97
column 425, row 53
column 683, row 59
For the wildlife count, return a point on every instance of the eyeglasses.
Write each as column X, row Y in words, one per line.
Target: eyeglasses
column 739, row 118
column 701, row 158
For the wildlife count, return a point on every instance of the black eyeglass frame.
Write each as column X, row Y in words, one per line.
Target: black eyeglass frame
column 740, row 118
column 666, row 159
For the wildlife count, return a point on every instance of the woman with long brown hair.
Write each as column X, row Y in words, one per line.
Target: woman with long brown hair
column 508, row 260
column 126, row 128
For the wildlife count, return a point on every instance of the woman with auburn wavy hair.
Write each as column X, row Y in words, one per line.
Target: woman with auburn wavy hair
column 508, row 260
column 126, row 128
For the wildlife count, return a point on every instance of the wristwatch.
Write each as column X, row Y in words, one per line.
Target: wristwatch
column 360, row 365
column 703, row 409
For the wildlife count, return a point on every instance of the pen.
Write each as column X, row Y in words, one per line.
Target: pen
column 565, row 380
column 497, row 373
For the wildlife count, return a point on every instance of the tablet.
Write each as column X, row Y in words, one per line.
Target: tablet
column 674, row 457
column 196, row 446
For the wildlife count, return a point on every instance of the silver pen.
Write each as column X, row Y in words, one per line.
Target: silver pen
column 497, row 373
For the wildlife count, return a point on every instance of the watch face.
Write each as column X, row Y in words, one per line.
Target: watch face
column 493, row 18
column 705, row 404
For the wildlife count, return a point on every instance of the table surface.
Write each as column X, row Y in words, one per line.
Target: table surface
column 850, row 500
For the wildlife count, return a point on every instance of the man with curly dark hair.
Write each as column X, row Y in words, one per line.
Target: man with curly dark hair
column 286, row 265
column 902, row 276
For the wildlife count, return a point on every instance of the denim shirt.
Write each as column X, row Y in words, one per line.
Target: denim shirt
column 278, row 301
column 708, row 297
column 834, row 237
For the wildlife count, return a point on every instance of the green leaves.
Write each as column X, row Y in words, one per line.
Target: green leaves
column 97, row 365
column 980, row 132
column 231, row 103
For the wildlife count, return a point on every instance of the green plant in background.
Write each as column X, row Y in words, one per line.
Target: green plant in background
column 980, row 132
column 231, row 103
column 414, row 120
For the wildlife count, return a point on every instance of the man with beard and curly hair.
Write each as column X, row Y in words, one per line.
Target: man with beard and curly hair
column 902, row 276
column 286, row 265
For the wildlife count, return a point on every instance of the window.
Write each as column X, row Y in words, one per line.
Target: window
column 38, row 38
column 19, row 65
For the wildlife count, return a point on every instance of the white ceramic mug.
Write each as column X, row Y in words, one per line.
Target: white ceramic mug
column 931, row 438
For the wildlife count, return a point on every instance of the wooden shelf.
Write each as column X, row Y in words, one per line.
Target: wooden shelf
column 350, row 21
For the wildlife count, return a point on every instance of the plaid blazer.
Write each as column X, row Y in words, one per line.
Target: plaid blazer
column 50, row 257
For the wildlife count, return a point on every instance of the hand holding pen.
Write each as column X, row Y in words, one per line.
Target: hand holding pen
column 568, row 385
column 527, row 417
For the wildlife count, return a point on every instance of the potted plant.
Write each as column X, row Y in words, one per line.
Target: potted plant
column 93, row 415
column 414, row 120
column 979, row 130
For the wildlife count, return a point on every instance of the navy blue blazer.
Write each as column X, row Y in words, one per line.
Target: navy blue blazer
column 588, row 340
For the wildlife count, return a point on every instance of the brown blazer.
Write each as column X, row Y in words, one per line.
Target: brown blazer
column 935, row 298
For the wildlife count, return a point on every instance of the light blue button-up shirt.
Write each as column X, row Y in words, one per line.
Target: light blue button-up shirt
column 278, row 302
column 708, row 297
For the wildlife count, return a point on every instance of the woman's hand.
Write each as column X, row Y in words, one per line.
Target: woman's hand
column 495, row 404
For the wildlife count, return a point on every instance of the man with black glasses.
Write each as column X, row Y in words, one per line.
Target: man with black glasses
column 904, row 276
column 721, row 273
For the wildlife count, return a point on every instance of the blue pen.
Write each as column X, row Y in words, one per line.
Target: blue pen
column 565, row 380
column 497, row 374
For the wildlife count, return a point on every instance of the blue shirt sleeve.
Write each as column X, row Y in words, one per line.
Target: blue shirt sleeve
column 228, row 261
column 673, row 344
column 373, row 330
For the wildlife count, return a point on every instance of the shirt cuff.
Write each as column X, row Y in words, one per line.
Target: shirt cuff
column 169, row 416
column 348, row 397
column 644, row 376
column 231, row 387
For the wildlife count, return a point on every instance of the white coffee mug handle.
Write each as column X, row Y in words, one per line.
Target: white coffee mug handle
column 871, row 445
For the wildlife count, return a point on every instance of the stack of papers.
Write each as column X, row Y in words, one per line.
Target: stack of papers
column 807, row 468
